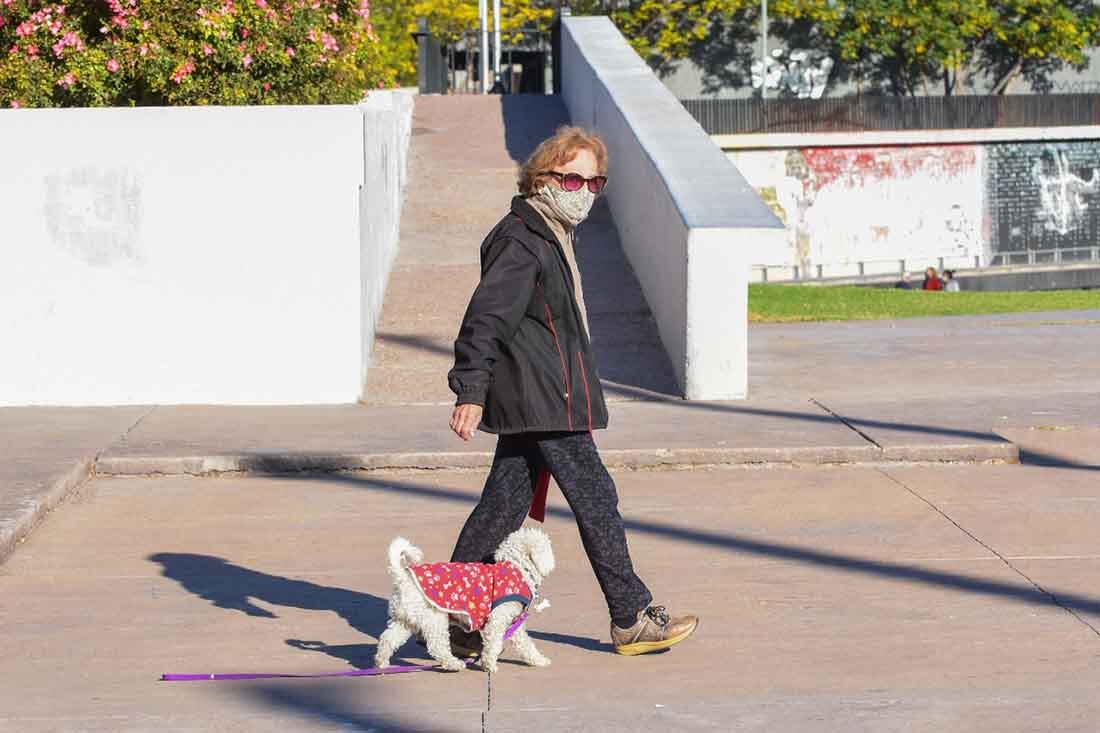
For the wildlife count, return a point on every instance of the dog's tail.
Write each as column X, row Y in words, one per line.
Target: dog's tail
column 402, row 554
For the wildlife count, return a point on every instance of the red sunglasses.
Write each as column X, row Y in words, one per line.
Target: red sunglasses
column 575, row 181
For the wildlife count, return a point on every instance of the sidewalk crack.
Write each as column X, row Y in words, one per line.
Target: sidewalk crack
column 139, row 421
column 122, row 438
column 848, row 424
column 488, row 701
column 1008, row 563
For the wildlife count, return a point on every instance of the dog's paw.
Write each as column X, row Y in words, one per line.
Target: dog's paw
column 456, row 665
column 489, row 666
column 540, row 661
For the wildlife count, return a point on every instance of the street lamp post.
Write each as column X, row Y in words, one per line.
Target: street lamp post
column 764, row 48
column 496, row 41
column 483, row 13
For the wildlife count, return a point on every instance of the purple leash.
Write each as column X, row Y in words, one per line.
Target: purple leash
column 370, row 672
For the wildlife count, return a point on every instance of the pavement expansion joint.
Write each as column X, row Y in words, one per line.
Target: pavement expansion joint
column 850, row 426
column 122, row 438
column 1007, row 562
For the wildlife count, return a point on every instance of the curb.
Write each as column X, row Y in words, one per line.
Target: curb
column 273, row 464
column 14, row 530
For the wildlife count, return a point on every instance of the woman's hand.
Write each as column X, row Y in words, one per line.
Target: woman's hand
column 465, row 420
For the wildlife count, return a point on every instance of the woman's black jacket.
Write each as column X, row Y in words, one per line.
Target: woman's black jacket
column 522, row 352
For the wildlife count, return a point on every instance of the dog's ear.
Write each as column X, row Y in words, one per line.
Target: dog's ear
column 541, row 554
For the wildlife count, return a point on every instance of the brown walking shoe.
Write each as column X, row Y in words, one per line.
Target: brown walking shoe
column 654, row 630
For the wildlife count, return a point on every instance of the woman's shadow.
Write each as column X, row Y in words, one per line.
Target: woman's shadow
column 234, row 588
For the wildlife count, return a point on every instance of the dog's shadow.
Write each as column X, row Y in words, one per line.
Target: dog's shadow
column 237, row 588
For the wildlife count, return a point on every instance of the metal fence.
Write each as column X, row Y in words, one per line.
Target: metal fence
column 913, row 267
column 857, row 270
column 454, row 68
column 853, row 114
column 1065, row 255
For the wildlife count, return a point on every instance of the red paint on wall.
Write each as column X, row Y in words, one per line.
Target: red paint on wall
column 855, row 166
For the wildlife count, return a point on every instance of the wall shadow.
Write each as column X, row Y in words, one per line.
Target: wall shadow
column 1031, row 457
column 628, row 346
column 625, row 338
column 332, row 706
column 528, row 120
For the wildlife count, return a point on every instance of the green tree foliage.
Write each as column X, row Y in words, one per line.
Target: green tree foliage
column 662, row 31
column 449, row 21
column 666, row 31
column 1030, row 38
column 395, row 22
column 911, row 45
column 905, row 47
column 168, row 52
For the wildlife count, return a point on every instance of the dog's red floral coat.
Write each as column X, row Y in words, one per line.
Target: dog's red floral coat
column 469, row 591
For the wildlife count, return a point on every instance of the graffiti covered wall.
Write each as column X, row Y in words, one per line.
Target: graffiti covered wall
column 874, row 205
column 927, row 203
column 1043, row 195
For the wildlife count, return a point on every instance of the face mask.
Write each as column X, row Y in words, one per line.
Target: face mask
column 572, row 207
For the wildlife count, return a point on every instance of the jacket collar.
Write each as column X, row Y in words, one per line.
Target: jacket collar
column 533, row 220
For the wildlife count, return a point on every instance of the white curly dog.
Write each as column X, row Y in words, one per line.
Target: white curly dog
column 525, row 558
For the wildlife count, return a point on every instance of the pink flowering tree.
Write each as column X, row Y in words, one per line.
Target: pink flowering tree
column 174, row 52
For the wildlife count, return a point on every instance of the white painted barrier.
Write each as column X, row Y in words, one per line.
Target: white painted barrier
column 387, row 130
column 689, row 222
column 881, row 206
column 192, row 255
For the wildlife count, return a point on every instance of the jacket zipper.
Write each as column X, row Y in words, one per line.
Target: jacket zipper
column 561, row 356
column 587, row 397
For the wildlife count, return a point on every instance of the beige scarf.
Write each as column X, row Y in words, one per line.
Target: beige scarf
column 566, row 238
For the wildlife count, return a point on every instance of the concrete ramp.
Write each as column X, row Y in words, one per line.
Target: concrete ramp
column 462, row 175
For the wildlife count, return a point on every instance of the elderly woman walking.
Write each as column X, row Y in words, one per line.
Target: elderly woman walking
column 524, row 370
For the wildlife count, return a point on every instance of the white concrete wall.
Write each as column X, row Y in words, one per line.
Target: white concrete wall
column 689, row 222
column 387, row 130
column 872, row 207
column 183, row 255
column 872, row 138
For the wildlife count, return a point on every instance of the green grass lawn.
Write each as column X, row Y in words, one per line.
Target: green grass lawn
column 789, row 303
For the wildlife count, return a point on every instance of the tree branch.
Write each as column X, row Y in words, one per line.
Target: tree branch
column 1008, row 76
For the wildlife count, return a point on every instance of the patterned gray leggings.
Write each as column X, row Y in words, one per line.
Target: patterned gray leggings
column 575, row 464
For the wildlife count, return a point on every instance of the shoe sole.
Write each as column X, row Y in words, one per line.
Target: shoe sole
column 645, row 647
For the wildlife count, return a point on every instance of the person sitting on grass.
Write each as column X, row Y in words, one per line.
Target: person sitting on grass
column 931, row 280
column 950, row 284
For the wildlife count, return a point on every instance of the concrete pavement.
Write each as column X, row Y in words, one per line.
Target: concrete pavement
column 889, row 569
column 857, row 577
column 948, row 597
column 45, row 454
column 833, row 393
column 645, row 435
